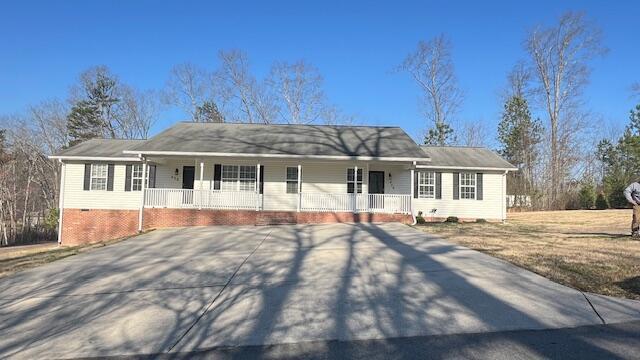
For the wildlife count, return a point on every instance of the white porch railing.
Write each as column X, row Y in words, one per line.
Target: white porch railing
column 205, row 199
column 237, row 200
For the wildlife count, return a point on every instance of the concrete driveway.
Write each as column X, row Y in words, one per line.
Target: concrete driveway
column 187, row 289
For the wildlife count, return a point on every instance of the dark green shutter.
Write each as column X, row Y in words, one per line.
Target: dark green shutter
column 217, row 176
column 261, row 179
column 479, row 190
column 456, row 186
column 127, row 178
column 110, row 168
column 415, row 185
column 438, row 185
column 87, row 176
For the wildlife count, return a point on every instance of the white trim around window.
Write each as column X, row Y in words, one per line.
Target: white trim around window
column 354, row 182
column 426, row 184
column 291, row 179
column 136, row 177
column 99, row 177
column 238, row 178
column 467, row 185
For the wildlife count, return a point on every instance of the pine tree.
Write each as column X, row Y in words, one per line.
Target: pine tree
column 208, row 112
column 95, row 114
column 621, row 162
column 440, row 135
column 519, row 136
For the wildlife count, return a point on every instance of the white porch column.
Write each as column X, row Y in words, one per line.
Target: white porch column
column 61, row 202
column 144, row 194
column 355, row 189
column 366, row 195
column 299, row 205
column 258, row 187
column 201, row 185
column 412, row 191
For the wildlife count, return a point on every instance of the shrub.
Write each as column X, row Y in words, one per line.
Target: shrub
column 420, row 220
column 481, row 221
column 601, row 202
column 51, row 221
column 587, row 196
column 452, row 219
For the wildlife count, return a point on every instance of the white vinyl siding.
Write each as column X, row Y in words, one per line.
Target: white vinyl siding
column 491, row 207
column 76, row 198
column 99, row 174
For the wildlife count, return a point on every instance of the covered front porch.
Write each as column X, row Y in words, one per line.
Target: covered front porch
column 278, row 185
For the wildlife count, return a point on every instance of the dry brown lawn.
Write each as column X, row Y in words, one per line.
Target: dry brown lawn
column 589, row 250
column 17, row 258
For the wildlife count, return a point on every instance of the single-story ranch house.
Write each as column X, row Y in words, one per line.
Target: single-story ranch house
column 239, row 174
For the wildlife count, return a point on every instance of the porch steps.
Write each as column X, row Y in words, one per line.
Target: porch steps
column 275, row 218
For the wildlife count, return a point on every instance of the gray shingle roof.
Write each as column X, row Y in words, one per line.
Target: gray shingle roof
column 465, row 157
column 302, row 140
column 108, row 148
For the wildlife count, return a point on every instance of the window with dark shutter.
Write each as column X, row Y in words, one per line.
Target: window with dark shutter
column 438, row 185
column 217, row 176
column 479, row 189
column 127, row 178
column 456, row 186
column 110, row 169
column 87, row 176
column 261, row 184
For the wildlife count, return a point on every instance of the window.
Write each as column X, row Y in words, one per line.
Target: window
column 292, row 180
column 467, row 185
column 136, row 177
column 99, row 176
column 426, row 184
column 238, row 178
column 354, row 182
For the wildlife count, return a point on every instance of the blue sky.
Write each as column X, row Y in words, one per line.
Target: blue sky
column 356, row 45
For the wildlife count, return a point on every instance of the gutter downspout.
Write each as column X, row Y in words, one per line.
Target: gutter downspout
column 504, row 197
column 144, row 193
column 61, row 201
column 413, row 177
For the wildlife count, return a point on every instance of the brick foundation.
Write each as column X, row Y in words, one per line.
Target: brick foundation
column 160, row 218
column 94, row 225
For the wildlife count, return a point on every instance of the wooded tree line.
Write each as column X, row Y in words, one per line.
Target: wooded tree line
column 545, row 127
column 101, row 105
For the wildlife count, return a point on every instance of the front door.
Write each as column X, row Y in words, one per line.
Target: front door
column 376, row 186
column 188, row 177
column 376, row 182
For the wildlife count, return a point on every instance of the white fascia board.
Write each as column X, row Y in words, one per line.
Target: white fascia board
column 93, row 158
column 274, row 156
column 465, row 168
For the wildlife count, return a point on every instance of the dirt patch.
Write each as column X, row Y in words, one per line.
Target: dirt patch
column 588, row 250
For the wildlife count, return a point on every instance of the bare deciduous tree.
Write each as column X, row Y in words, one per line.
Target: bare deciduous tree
column 244, row 98
column 559, row 57
column 432, row 69
column 474, row 133
column 188, row 87
column 138, row 111
column 298, row 87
